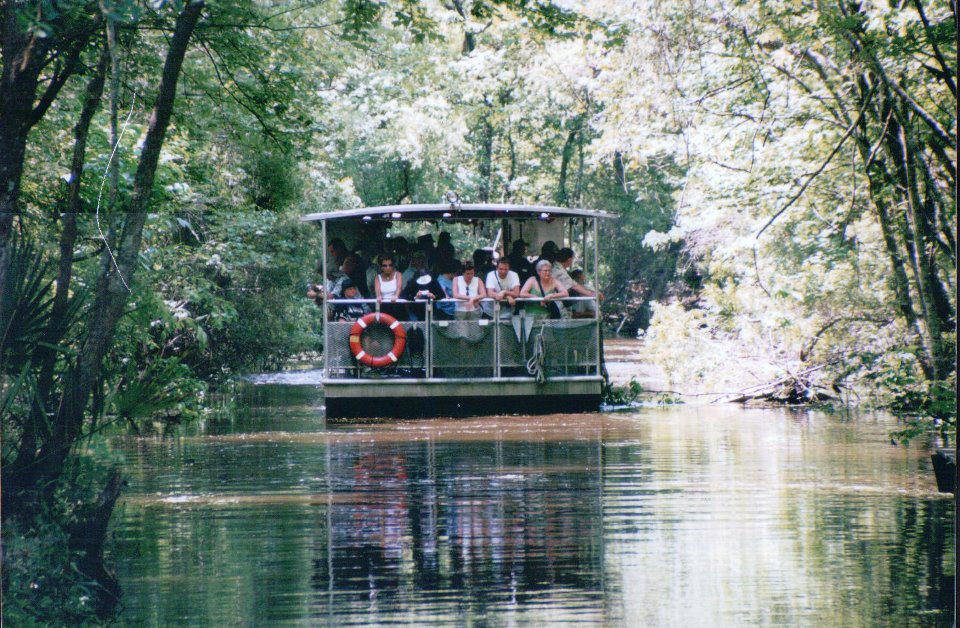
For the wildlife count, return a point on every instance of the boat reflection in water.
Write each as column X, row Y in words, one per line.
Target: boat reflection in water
column 663, row 516
column 433, row 519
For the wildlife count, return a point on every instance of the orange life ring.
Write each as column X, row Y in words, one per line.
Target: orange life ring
column 399, row 339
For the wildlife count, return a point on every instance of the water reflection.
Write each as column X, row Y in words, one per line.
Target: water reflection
column 663, row 517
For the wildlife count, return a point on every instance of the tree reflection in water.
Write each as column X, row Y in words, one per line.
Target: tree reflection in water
column 677, row 516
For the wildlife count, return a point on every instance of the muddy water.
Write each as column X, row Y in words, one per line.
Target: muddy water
column 660, row 516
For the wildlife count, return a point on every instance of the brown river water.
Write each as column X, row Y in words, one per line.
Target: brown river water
column 687, row 515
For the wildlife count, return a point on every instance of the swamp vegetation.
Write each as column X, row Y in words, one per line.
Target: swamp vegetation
column 784, row 173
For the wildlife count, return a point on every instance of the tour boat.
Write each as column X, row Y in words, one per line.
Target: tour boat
column 506, row 361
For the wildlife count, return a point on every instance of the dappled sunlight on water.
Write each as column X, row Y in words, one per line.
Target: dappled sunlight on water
column 681, row 516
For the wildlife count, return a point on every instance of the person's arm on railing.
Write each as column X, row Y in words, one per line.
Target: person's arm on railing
column 581, row 290
column 559, row 294
column 481, row 293
column 527, row 287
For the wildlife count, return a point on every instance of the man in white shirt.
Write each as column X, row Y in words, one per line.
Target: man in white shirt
column 502, row 285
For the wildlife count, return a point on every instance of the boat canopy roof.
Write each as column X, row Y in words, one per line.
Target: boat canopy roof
column 455, row 212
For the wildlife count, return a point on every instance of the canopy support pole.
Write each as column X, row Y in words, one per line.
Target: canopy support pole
column 596, row 287
column 326, row 326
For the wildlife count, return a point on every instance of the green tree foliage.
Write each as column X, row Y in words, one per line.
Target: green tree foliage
column 795, row 162
column 176, row 260
column 819, row 152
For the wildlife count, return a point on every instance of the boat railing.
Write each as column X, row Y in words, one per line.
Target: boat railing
column 452, row 300
column 503, row 344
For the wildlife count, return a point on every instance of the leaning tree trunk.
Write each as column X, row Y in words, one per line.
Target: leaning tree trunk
column 111, row 291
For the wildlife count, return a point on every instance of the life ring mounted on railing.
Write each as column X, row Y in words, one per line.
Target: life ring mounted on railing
column 399, row 340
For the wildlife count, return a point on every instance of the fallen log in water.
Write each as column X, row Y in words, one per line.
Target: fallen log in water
column 794, row 389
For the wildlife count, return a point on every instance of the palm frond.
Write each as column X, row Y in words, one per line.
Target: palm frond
column 25, row 306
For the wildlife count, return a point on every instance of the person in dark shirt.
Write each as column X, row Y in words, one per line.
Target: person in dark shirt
column 482, row 262
column 548, row 252
column 425, row 246
column 444, row 279
column 519, row 262
column 337, row 250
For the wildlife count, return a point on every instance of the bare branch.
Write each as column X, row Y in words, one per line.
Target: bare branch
column 947, row 73
column 814, row 175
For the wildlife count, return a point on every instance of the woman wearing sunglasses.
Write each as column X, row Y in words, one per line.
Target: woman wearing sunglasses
column 468, row 290
column 388, row 285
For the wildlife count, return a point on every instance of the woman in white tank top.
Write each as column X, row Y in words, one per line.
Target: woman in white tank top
column 468, row 290
column 389, row 283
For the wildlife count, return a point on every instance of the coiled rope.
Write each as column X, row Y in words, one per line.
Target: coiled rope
column 535, row 363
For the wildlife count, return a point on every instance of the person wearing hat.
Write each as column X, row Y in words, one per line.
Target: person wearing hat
column 348, row 311
column 422, row 289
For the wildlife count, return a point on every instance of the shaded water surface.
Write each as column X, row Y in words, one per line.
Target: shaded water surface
column 672, row 516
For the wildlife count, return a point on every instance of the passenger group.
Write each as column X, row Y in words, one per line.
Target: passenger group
column 404, row 278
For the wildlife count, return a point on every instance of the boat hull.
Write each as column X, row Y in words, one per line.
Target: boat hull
column 388, row 399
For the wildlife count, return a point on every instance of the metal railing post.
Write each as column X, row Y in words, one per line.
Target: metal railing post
column 326, row 323
column 496, row 339
column 523, row 336
column 429, row 352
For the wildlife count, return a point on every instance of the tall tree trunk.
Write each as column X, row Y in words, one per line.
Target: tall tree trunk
column 404, row 192
column 581, row 165
column 922, row 214
column 18, row 88
column 562, row 199
column 485, row 155
column 25, row 57
column 921, row 254
column 512, row 167
column 469, row 39
column 901, row 282
column 880, row 184
column 946, row 230
column 111, row 292
column 114, row 47
column 56, row 326
column 619, row 172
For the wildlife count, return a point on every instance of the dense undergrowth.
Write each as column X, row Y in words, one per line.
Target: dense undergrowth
column 195, row 322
